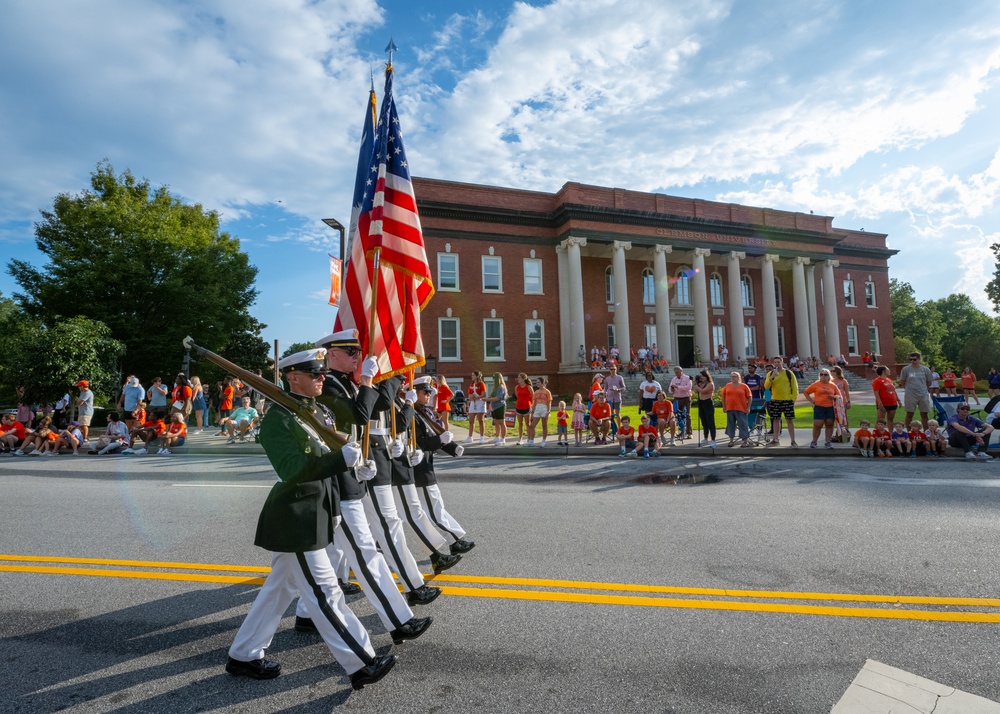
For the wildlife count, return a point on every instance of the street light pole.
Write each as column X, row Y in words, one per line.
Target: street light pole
column 339, row 227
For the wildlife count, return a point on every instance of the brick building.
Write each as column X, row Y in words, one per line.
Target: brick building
column 524, row 278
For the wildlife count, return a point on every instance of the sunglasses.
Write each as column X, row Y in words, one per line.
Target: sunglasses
column 350, row 351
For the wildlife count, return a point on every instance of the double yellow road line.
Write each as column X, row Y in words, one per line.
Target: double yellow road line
column 892, row 607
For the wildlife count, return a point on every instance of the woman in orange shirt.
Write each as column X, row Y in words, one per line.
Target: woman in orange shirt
column 225, row 404
column 969, row 384
column 736, row 398
column 444, row 395
column 821, row 395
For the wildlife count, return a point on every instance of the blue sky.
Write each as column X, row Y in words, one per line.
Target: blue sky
column 882, row 114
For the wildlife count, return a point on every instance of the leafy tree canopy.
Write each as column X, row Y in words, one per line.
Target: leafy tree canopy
column 150, row 267
column 51, row 359
column 919, row 322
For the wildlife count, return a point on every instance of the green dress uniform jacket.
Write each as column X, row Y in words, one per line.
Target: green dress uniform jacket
column 299, row 512
column 352, row 406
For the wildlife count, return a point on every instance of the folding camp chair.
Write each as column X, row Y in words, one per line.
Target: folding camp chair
column 947, row 407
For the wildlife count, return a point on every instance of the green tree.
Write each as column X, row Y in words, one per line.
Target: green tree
column 152, row 268
column 965, row 324
column 297, row 347
column 51, row 359
column 919, row 322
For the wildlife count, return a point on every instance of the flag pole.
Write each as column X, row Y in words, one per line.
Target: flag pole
column 371, row 337
column 413, row 422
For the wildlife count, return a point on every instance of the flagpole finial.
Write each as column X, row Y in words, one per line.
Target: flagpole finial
column 390, row 48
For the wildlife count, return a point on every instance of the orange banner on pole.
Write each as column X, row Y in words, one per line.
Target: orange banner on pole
column 335, row 272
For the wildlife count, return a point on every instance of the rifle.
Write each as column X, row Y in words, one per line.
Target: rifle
column 330, row 436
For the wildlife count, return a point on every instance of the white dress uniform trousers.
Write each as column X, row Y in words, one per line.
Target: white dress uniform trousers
column 353, row 540
column 311, row 576
column 430, row 498
column 387, row 527
column 409, row 503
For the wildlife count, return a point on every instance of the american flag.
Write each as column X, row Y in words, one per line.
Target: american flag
column 387, row 225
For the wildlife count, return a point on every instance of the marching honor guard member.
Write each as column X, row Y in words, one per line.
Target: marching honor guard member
column 353, row 405
column 380, row 507
column 406, row 490
column 297, row 523
column 425, row 480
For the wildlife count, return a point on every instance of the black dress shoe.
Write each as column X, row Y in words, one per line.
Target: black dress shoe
column 462, row 546
column 258, row 669
column 443, row 561
column 422, row 595
column 411, row 630
column 370, row 675
column 348, row 587
column 304, row 624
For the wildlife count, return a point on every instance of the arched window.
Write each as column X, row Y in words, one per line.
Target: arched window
column 683, row 290
column 746, row 291
column 777, row 294
column 609, row 285
column 715, row 290
column 648, row 296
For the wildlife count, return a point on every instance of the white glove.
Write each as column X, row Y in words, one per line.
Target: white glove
column 352, row 454
column 337, row 521
column 411, row 396
column 459, row 450
column 369, row 368
column 416, row 457
column 397, row 447
column 366, row 471
column 446, row 437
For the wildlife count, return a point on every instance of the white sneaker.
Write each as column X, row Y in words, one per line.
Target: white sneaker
column 542, row 444
column 160, row 451
column 140, row 452
column 467, row 440
column 970, row 455
column 482, row 439
column 165, row 452
column 710, row 444
column 36, row 452
column 983, row 456
column 231, row 440
column 529, row 442
column 128, row 450
column 196, row 431
column 19, row 452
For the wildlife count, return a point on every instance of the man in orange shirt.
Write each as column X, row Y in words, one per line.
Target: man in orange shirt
column 600, row 418
column 225, row 404
column 149, row 433
column 12, row 432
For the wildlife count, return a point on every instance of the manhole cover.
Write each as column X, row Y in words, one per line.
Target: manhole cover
column 677, row 479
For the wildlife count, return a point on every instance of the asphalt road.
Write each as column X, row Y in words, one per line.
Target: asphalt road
column 738, row 592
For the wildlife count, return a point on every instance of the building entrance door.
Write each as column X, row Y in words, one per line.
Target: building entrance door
column 685, row 345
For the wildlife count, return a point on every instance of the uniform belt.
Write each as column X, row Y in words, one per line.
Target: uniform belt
column 379, row 431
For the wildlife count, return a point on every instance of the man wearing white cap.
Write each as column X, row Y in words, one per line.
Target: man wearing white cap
column 297, row 523
column 352, row 405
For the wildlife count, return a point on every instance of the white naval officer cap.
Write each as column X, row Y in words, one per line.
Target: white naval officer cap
column 423, row 383
column 312, row 361
column 343, row 338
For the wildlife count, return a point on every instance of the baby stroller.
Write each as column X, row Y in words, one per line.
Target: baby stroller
column 458, row 405
column 681, row 416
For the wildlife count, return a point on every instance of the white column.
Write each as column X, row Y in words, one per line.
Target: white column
column 830, row 308
column 737, row 340
column 699, row 299
column 567, row 349
column 800, row 305
column 813, row 311
column 621, row 298
column 575, row 270
column 661, row 293
column 770, row 321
